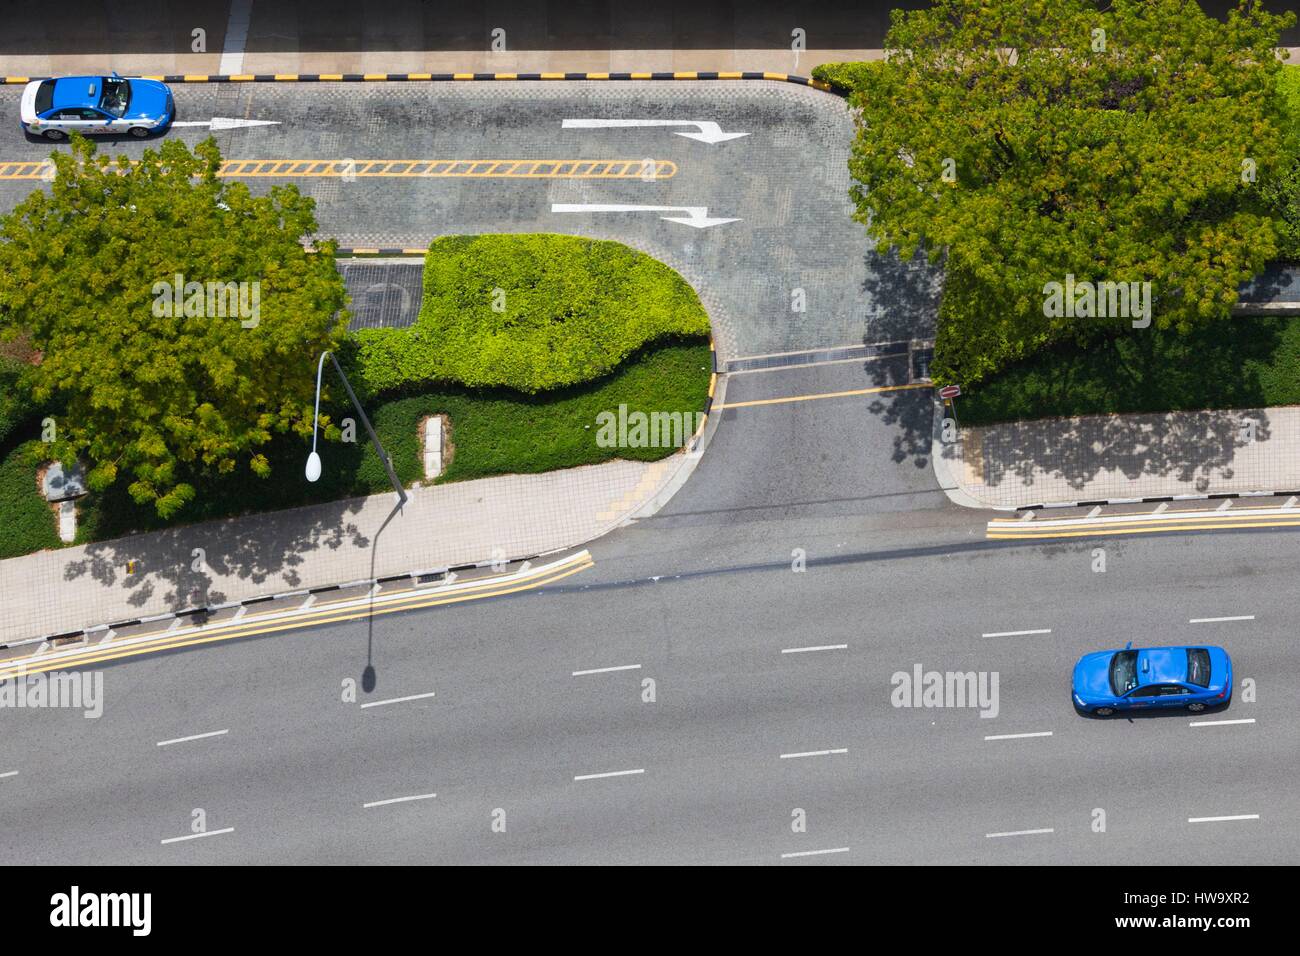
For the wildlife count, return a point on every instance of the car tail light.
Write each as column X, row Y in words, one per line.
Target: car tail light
column 1222, row 694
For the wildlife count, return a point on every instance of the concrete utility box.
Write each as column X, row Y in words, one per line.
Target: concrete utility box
column 433, row 446
column 63, row 484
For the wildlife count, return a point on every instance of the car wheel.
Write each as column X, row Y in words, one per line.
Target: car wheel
column 55, row 135
column 1196, row 707
column 139, row 132
column 1104, row 711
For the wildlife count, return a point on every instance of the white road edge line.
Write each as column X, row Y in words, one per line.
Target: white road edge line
column 8, row 773
column 1045, row 630
column 397, row 700
column 195, row 836
column 791, row 856
column 819, row 647
column 1220, row 723
column 185, row 740
column 384, row 803
column 611, row 773
column 1220, row 620
column 815, row 753
column 1038, row 733
column 1239, row 816
column 608, row 670
column 1009, row 833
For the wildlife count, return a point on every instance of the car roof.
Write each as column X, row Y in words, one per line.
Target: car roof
column 1163, row 665
column 74, row 91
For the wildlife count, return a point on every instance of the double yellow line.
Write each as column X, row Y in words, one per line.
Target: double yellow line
column 290, row 620
column 1010, row 529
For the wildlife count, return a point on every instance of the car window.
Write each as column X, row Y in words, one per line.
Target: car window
column 116, row 96
column 1151, row 690
column 44, row 96
column 1123, row 672
column 1172, row 690
column 66, row 115
column 1198, row 666
column 96, row 115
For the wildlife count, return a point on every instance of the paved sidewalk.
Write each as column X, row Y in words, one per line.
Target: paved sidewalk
column 1108, row 457
column 470, row 522
column 436, row 36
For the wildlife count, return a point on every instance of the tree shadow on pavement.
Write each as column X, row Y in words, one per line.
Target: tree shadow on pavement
column 1193, row 449
column 169, row 574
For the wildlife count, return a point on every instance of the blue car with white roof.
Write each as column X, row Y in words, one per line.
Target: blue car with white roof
column 95, row 105
column 1155, row 678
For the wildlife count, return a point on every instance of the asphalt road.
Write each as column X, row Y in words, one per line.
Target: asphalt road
column 510, row 727
column 702, row 598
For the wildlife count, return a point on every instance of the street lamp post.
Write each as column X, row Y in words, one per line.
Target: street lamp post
column 313, row 460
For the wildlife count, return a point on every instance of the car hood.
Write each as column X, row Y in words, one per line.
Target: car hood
column 27, row 105
column 1092, row 675
column 148, row 100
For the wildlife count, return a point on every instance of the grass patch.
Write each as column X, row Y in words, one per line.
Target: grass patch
column 1237, row 363
column 530, row 312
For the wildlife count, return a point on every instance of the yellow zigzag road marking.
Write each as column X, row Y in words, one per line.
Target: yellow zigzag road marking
column 419, row 598
column 407, row 169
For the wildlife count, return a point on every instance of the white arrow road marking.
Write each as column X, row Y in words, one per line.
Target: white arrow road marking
column 706, row 130
column 697, row 216
column 226, row 122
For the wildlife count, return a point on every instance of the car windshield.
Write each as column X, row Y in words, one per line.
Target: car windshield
column 44, row 96
column 1123, row 672
column 116, row 96
column 1198, row 666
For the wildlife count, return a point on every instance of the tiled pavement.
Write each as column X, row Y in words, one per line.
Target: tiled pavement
column 1109, row 457
column 469, row 522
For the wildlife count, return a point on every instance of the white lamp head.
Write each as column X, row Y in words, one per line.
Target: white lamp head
column 313, row 466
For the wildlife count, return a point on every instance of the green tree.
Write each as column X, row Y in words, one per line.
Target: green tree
column 154, row 394
column 1021, row 141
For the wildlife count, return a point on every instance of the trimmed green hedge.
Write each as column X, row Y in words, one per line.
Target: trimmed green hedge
column 845, row 77
column 29, row 522
column 1238, row 363
column 493, row 431
column 571, row 309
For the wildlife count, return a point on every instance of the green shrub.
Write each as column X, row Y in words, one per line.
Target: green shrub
column 28, row 520
column 845, row 77
column 1282, row 192
column 1236, row 363
column 16, row 406
column 494, row 432
column 571, row 309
